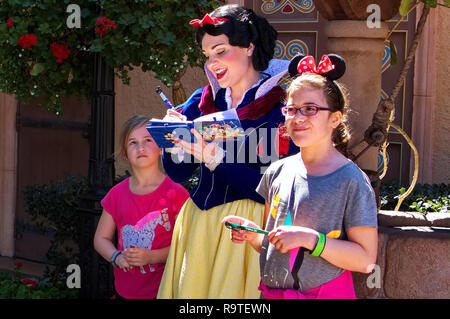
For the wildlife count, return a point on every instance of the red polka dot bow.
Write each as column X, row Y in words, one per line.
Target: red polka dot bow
column 308, row 65
column 207, row 19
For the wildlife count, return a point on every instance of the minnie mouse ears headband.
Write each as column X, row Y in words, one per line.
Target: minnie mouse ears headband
column 331, row 66
column 207, row 19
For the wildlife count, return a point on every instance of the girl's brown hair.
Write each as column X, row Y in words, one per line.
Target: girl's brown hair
column 336, row 97
column 131, row 124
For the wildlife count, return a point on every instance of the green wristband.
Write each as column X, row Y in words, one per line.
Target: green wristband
column 320, row 245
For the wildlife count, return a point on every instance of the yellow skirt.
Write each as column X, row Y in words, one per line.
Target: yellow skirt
column 203, row 262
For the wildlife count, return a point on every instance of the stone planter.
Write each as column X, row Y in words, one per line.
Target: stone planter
column 355, row 9
column 413, row 258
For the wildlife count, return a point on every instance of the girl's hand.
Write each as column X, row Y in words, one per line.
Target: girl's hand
column 239, row 236
column 122, row 262
column 285, row 238
column 202, row 150
column 137, row 256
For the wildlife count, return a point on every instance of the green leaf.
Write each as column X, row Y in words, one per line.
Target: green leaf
column 447, row 3
column 44, row 28
column 167, row 38
column 96, row 46
column 430, row 3
column 127, row 19
column 393, row 53
column 404, row 7
column 146, row 22
column 37, row 68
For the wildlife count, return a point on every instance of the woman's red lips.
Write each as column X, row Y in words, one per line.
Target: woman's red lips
column 220, row 73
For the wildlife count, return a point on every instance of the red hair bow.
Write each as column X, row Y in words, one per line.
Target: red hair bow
column 207, row 19
column 308, row 64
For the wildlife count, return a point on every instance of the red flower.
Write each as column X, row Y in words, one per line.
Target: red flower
column 10, row 22
column 103, row 26
column 30, row 283
column 18, row 264
column 60, row 51
column 27, row 40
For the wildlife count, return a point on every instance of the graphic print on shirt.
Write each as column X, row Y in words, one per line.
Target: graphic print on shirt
column 143, row 233
column 274, row 206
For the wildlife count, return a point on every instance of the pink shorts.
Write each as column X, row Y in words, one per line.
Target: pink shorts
column 339, row 288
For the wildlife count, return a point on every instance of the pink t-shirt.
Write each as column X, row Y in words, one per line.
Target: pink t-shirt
column 144, row 221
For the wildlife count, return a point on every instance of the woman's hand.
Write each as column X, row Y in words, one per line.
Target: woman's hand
column 137, row 256
column 174, row 116
column 285, row 238
column 202, row 150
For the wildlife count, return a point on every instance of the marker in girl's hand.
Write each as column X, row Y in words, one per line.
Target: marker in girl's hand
column 247, row 228
column 164, row 98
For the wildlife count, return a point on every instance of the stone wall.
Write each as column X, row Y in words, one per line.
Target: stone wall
column 413, row 259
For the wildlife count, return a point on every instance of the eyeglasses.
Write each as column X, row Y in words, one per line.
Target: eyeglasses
column 305, row 109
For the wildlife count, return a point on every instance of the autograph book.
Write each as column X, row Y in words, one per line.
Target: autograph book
column 219, row 126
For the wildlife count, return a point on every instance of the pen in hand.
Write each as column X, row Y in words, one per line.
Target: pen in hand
column 164, row 98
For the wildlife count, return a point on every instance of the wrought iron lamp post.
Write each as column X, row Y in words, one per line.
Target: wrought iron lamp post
column 96, row 273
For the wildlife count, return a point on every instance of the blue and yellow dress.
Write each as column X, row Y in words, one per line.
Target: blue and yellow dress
column 203, row 262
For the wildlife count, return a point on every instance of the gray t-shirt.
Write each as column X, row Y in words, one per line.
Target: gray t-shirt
column 329, row 204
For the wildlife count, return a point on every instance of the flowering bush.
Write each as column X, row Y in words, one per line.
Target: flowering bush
column 46, row 47
column 27, row 41
column 13, row 287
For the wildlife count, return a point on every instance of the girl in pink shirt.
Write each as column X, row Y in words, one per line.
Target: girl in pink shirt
column 143, row 209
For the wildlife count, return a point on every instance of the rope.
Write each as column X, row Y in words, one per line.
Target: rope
column 383, row 153
column 416, row 166
column 384, row 147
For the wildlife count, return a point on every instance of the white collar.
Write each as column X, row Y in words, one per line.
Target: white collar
column 228, row 93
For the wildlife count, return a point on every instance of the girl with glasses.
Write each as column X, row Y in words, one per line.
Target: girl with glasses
column 320, row 207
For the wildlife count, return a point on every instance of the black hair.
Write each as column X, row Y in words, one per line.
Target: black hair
column 243, row 28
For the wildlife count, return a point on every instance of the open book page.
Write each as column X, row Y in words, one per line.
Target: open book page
column 219, row 126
